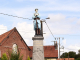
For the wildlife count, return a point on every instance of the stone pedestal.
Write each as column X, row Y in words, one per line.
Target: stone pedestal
column 38, row 50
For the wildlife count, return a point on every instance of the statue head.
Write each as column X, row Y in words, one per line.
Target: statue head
column 36, row 12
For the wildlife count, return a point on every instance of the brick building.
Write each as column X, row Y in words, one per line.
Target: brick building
column 66, row 59
column 12, row 37
column 50, row 53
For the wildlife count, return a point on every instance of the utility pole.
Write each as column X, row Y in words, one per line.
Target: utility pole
column 58, row 38
column 68, row 56
column 59, row 48
column 62, row 47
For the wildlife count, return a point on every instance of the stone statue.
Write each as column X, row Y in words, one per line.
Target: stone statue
column 37, row 23
column 14, row 49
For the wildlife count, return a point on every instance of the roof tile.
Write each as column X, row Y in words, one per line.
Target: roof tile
column 3, row 36
column 49, row 51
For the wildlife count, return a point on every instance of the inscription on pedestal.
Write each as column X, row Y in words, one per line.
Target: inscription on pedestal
column 38, row 43
column 38, row 51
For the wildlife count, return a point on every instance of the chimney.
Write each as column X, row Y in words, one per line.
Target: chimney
column 55, row 45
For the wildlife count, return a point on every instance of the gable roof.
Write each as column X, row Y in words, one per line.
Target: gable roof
column 6, row 34
column 3, row 36
column 49, row 52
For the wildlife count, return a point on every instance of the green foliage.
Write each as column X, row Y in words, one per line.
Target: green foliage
column 13, row 56
column 28, row 58
column 78, row 59
column 64, row 55
column 71, row 54
column 45, row 59
column 77, row 56
column 4, row 57
column 0, row 58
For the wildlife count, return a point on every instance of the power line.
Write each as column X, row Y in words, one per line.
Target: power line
column 28, row 19
column 70, row 49
column 49, row 29
column 15, row 16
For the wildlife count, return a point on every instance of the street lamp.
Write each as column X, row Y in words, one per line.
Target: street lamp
column 48, row 18
column 43, row 20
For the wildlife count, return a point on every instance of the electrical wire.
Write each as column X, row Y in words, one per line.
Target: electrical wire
column 15, row 16
column 49, row 29
column 31, row 19
column 70, row 49
column 28, row 19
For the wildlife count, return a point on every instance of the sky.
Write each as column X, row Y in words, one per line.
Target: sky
column 64, row 20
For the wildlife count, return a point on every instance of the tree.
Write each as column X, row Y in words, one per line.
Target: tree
column 77, row 56
column 71, row 54
column 64, row 55
column 28, row 58
column 79, row 51
column 78, row 59
column 4, row 57
column 13, row 56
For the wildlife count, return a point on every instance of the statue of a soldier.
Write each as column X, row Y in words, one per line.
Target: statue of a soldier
column 37, row 23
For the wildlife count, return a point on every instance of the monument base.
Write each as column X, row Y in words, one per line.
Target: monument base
column 38, row 50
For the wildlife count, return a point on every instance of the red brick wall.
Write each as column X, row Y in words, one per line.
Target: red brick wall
column 66, row 59
column 14, row 37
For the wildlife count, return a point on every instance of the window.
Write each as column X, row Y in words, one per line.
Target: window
column 14, row 48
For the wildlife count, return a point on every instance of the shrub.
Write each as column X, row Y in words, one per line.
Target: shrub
column 78, row 59
column 13, row 56
column 4, row 57
column 28, row 58
column 0, row 58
